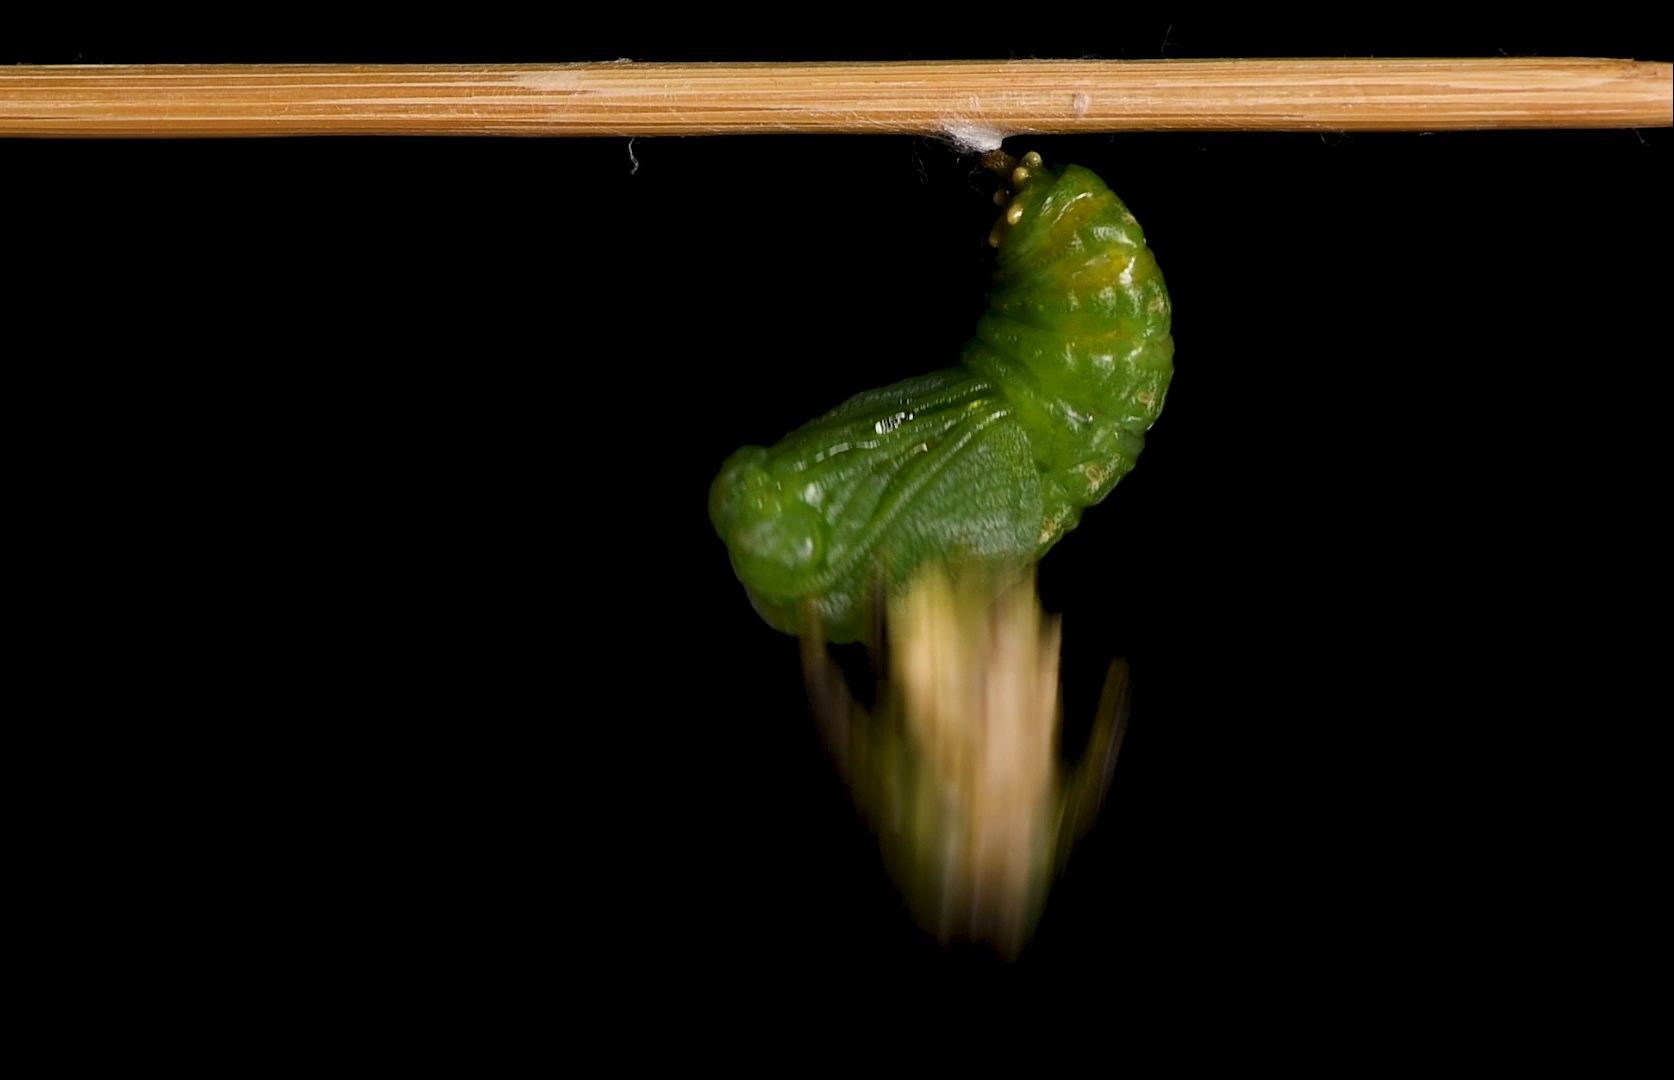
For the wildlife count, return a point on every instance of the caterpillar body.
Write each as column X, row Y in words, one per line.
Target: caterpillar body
column 991, row 460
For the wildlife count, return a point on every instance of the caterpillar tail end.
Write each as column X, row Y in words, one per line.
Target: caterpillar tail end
column 1015, row 175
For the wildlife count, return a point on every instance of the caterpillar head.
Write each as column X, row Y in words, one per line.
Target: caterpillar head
column 777, row 541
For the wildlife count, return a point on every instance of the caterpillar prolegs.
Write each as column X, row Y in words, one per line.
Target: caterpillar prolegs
column 992, row 460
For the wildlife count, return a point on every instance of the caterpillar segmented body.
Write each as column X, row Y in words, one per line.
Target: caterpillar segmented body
column 993, row 459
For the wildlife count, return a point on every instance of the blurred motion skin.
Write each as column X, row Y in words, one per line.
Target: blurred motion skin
column 958, row 768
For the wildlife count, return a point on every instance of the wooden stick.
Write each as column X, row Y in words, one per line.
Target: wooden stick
column 979, row 99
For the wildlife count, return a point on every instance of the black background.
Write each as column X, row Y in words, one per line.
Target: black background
column 406, row 442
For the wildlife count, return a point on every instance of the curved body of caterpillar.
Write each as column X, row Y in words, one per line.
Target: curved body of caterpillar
column 993, row 459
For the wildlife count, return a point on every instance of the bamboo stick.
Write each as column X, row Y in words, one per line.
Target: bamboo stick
column 975, row 99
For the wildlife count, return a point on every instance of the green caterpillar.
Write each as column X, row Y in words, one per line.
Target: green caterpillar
column 991, row 460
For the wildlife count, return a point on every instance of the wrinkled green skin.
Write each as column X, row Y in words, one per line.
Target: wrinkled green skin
column 992, row 460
